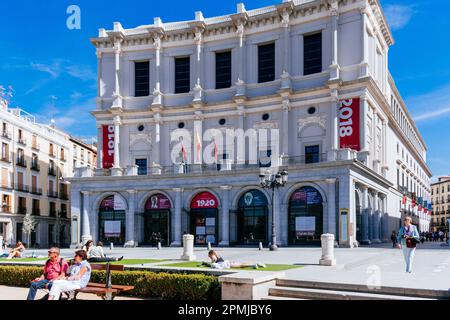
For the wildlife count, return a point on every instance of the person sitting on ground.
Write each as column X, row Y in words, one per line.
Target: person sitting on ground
column 87, row 246
column 217, row 262
column 96, row 254
column 79, row 275
column 16, row 252
column 55, row 268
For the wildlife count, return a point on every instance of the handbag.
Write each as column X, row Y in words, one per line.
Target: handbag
column 411, row 242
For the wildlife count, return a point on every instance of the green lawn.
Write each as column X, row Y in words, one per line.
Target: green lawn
column 197, row 264
column 24, row 259
column 134, row 261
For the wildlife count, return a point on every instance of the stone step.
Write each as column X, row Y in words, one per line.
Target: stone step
column 281, row 298
column 394, row 291
column 320, row 294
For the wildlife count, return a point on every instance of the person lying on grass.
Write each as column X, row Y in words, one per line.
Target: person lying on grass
column 217, row 262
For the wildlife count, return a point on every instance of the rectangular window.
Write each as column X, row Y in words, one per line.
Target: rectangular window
column 312, row 53
column 182, row 75
column 5, row 152
column 141, row 79
column 223, row 69
column 312, row 154
column 142, row 166
column 266, row 62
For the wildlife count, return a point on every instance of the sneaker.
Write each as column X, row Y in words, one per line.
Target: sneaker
column 120, row 258
column 256, row 266
column 261, row 265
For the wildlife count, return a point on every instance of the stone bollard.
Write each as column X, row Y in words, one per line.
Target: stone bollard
column 111, row 246
column 188, row 248
column 209, row 246
column 159, row 245
column 327, row 250
column 260, row 246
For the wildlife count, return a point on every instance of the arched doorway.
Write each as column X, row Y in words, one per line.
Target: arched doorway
column 204, row 218
column 111, row 220
column 359, row 229
column 305, row 216
column 252, row 218
column 157, row 220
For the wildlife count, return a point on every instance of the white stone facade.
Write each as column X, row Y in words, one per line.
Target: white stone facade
column 355, row 41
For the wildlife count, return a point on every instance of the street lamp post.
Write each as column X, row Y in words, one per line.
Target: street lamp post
column 272, row 181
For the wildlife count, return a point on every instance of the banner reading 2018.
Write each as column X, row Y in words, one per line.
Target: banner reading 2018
column 349, row 131
column 108, row 146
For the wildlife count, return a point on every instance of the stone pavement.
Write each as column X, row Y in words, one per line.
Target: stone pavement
column 16, row 293
column 374, row 265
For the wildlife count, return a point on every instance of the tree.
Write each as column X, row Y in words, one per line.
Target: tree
column 29, row 224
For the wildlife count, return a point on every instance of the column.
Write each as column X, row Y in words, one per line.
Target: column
column 286, row 42
column 116, row 171
column 285, row 127
column 75, row 217
column 241, row 60
column 385, row 220
column 129, row 219
column 99, row 77
column 276, row 214
column 176, row 221
column 156, row 148
column 117, row 103
column 364, row 153
column 364, row 72
column 365, row 215
column 86, row 230
column 99, row 169
column 334, row 72
column 240, row 159
column 225, row 221
column 334, row 136
column 157, row 91
column 198, row 137
column 376, row 219
column 332, row 225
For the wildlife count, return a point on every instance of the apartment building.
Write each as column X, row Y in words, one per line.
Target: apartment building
column 440, row 199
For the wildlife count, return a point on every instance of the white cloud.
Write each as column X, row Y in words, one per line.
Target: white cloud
column 430, row 106
column 398, row 15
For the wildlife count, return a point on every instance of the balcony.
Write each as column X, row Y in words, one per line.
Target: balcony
column 35, row 146
column 52, row 171
column 22, row 188
column 6, row 209
column 52, row 194
column 52, row 154
column 36, row 191
column 36, row 212
column 6, row 134
column 35, row 166
column 22, row 210
column 22, row 141
column 52, row 213
column 64, row 196
column 21, row 162
column 6, row 159
column 6, row 186
column 63, row 213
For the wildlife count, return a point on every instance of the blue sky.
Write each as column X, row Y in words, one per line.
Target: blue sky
column 53, row 69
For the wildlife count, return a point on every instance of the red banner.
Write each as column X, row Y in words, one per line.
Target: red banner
column 349, row 130
column 204, row 200
column 157, row 201
column 108, row 146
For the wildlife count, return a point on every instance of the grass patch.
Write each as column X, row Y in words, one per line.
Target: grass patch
column 24, row 259
column 198, row 264
column 134, row 261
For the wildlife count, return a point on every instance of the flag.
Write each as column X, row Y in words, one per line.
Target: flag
column 425, row 210
column 183, row 152
column 413, row 202
column 198, row 146
column 420, row 201
column 419, row 208
column 216, row 151
column 404, row 200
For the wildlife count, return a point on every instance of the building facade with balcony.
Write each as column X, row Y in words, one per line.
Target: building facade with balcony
column 35, row 161
column 440, row 200
column 315, row 72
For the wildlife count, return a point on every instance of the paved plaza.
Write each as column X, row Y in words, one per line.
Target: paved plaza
column 374, row 266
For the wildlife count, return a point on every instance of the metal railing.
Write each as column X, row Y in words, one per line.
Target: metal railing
column 64, row 196
column 6, row 134
column 52, row 213
column 22, row 188
column 35, row 190
column 22, row 141
column 35, row 166
column 36, row 212
column 6, row 209
column 5, row 159
column 52, row 194
column 52, row 171
column 21, row 162
column 35, row 146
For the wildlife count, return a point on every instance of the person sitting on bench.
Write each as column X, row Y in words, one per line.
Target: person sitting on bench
column 96, row 254
column 54, row 268
column 80, row 273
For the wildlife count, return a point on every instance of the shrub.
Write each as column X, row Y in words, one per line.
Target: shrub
column 160, row 285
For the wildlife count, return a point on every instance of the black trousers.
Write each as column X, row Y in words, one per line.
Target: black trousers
column 97, row 259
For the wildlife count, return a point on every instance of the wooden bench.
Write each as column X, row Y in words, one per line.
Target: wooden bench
column 107, row 291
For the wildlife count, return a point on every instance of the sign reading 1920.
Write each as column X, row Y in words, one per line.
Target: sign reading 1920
column 349, row 124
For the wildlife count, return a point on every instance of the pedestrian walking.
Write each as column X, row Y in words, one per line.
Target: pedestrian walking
column 394, row 239
column 407, row 238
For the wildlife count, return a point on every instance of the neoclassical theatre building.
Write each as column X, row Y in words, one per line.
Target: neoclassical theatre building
column 314, row 71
